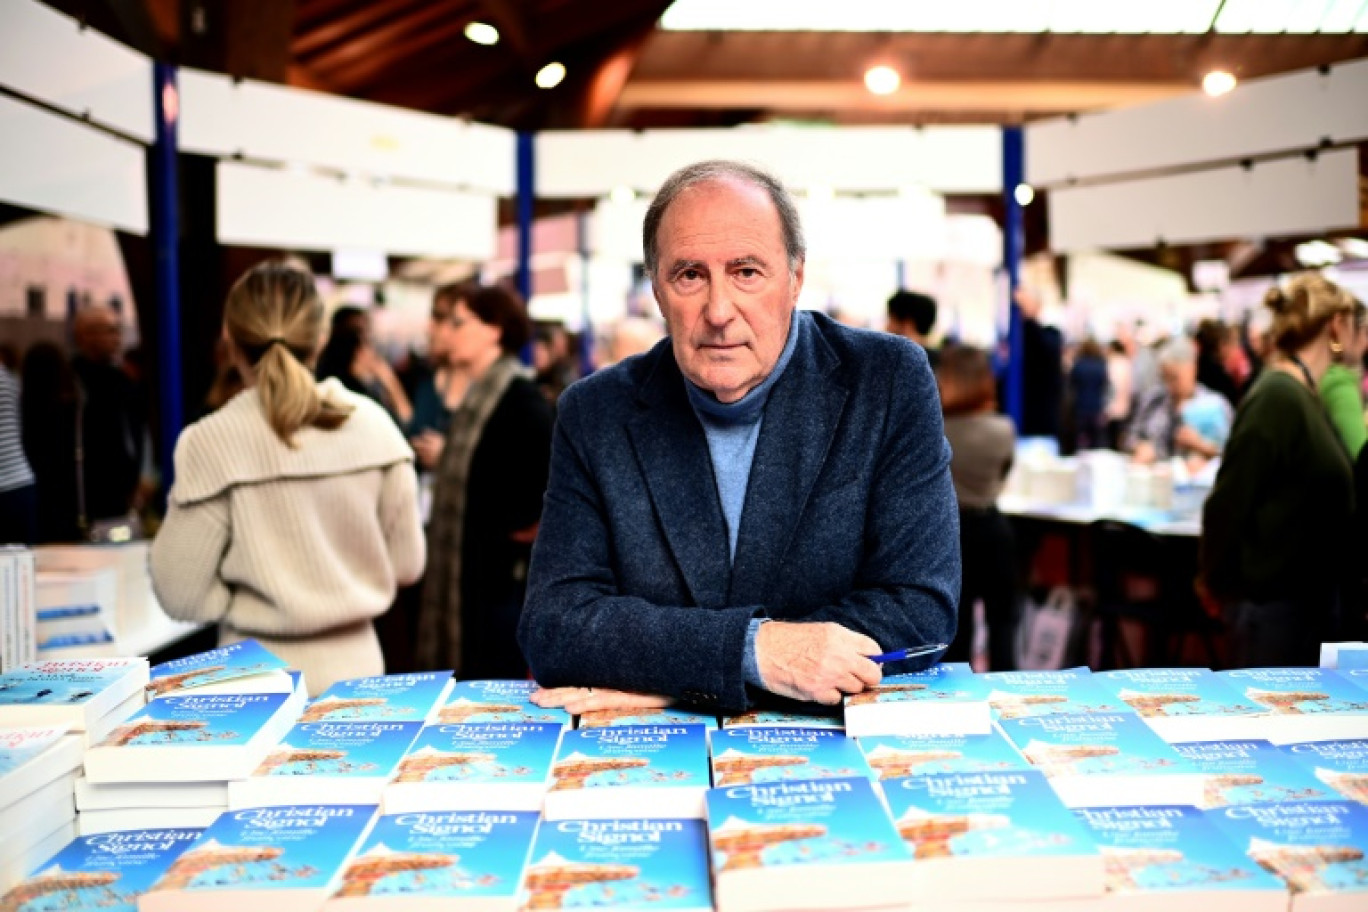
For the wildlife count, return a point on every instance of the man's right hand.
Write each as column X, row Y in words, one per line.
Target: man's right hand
column 818, row 663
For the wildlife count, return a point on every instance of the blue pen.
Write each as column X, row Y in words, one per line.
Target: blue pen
column 898, row 655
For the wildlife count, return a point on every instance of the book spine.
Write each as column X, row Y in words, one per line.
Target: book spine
column 28, row 621
column 9, row 612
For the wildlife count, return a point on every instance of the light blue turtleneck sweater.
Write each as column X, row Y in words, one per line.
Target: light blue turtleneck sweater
column 732, row 429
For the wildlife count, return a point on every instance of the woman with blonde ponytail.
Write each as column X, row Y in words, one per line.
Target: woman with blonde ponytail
column 1277, row 530
column 294, row 514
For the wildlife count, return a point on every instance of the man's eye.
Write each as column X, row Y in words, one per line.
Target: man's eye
column 689, row 275
column 748, row 272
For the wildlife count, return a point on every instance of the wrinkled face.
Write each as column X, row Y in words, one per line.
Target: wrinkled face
column 1180, row 379
column 724, row 285
column 465, row 338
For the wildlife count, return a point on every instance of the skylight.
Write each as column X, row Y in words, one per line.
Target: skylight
column 1166, row 17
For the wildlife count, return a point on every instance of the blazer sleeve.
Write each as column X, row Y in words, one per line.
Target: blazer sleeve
column 907, row 586
column 578, row 629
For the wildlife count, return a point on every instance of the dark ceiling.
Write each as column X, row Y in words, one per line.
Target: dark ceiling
column 622, row 71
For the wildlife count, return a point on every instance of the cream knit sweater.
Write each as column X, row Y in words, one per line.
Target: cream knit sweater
column 298, row 547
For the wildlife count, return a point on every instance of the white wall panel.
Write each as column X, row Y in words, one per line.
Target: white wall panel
column 46, row 55
column 53, row 164
column 852, row 159
column 1286, row 196
column 297, row 210
column 1262, row 116
column 284, row 124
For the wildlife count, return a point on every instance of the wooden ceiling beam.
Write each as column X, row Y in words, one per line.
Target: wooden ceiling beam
column 365, row 71
column 338, row 29
column 807, row 95
column 383, row 43
column 512, row 25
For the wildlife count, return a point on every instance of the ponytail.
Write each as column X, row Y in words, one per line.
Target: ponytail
column 275, row 318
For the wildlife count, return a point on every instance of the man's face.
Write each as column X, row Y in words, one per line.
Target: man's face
column 1180, row 379
column 99, row 337
column 724, row 286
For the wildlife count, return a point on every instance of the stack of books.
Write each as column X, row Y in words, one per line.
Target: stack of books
column 1304, row 704
column 75, row 612
column 1000, row 837
column 896, row 756
column 945, row 699
column 496, row 701
column 18, row 634
column 806, row 844
column 1187, row 704
column 1072, row 691
column 442, row 860
column 38, row 767
column 762, row 753
column 214, row 718
column 1173, row 858
column 104, row 872
column 89, row 696
column 629, row 770
column 1342, row 765
column 348, row 743
column 1251, row 772
column 268, row 858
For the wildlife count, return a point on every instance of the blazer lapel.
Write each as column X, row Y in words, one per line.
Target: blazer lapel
column 672, row 453
column 800, row 423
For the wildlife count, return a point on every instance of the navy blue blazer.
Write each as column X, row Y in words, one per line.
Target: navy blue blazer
column 849, row 517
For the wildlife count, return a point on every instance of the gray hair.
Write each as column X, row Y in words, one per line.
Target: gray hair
column 719, row 169
column 1178, row 350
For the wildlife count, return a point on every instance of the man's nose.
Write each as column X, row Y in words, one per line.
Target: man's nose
column 720, row 308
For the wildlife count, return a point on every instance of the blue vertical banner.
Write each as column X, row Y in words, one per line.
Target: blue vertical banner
column 165, row 228
column 1013, row 245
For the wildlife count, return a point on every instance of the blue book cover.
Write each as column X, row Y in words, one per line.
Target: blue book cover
column 1177, row 693
column 236, row 660
column 630, row 863
column 823, row 822
column 1118, row 743
column 1251, row 772
column 1316, row 847
column 101, row 873
column 496, row 701
column 631, row 755
column 1342, row 764
column 70, row 682
column 20, row 745
column 500, row 752
column 1354, row 658
column 603, row 718
column 295, row 847
column 1300, row 691
column 223, row 719
column 895, row 756
column 780, row 717
column 741, row 756
column 441, row 855
column 66, row 611
column 1170, row 849
column 392, row 698
column 347, row 749
column 953, row 682
column 1018, row 694
column 1013, row 814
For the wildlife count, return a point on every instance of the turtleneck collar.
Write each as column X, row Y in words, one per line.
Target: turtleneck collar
column 747, row 409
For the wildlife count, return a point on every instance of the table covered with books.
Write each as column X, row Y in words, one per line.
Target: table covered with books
column 211, row 782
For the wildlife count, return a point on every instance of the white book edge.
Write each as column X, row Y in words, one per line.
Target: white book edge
column 89, row 823
column 122, row 796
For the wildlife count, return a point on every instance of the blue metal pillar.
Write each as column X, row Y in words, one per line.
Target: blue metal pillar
column 1013, row 243
column 527, row 192
column 165, row 231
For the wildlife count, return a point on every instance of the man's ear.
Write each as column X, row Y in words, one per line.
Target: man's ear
column 798, row 281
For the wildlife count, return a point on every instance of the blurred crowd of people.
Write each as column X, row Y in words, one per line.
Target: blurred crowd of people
column 1280, row 396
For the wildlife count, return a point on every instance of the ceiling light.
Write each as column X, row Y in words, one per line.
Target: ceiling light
column 550, row 76
column 482, row 33
column 1217, row 83
column 882, row 80
column 621, row 194
column 1024, row 194
column 1355, row 248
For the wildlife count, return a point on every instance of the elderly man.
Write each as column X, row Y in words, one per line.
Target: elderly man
column 759, row 503
column 1181, row 417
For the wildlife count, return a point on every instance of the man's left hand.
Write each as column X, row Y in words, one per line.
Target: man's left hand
column 578, row 700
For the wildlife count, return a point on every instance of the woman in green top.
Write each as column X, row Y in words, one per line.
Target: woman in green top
column 1277, row 528
column 1340, row 388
